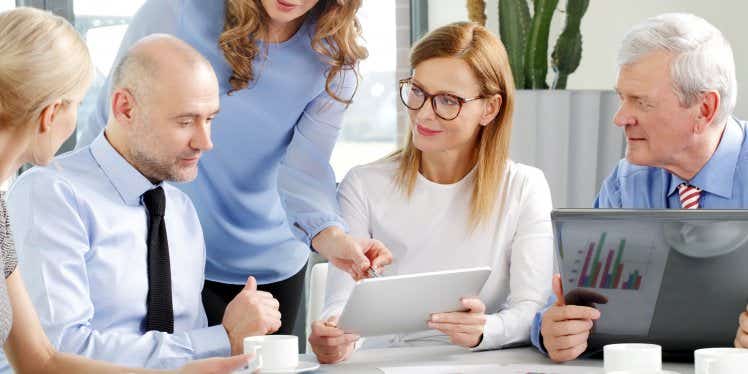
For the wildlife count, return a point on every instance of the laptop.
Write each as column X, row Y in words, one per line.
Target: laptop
column 677, row 278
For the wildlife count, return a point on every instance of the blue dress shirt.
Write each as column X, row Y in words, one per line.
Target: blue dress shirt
column 723, row 180
column 267, row 187
column 80, row 229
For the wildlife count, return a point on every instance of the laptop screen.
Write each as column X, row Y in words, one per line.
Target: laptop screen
column 674, row 277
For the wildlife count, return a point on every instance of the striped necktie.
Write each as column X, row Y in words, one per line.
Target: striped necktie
column 689, row 196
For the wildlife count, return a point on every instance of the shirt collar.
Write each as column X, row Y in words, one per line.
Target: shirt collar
column 716, row 177
column 128, row 181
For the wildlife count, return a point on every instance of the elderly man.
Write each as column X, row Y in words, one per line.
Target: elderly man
column 113, row 255
column 677, row 86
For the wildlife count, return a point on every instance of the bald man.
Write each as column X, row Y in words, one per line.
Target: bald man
column 112, row 254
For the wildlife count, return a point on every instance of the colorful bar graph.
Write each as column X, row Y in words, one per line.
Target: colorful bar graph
column 618, row 266
column 608, row 276
column 606, row 271
column 619, row 272
column 583, row 276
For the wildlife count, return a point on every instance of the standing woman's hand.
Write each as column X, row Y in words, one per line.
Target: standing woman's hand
column 353, row 255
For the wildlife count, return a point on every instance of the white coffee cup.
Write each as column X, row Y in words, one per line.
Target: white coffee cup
column 730, row 364
column 274, row 352
column 632, row 357
column 703, row 357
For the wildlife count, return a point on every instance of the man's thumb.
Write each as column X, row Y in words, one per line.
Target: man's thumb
column 558, row 290
column 251, row 284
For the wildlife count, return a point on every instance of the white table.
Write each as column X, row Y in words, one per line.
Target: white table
column 367, row 361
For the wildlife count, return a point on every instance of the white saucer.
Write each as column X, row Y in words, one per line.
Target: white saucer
column 303, row 366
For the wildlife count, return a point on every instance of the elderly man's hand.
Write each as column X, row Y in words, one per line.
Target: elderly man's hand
column 566, row 325
column 353, row 255
column 741, row 339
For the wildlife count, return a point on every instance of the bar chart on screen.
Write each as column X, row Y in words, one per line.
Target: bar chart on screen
column 603, row 264
column 623, row 261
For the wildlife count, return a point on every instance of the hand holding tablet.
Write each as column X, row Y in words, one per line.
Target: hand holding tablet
column 405, row 303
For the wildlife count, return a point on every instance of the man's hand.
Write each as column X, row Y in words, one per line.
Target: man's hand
column 251, row 313
column 463, row 328
column 329, row 343
column 565, row 328
column 353, row 255
column 741, row 339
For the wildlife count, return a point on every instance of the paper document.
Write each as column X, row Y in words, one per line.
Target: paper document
column 548, row 369
column 492, row 369
column 442, row 369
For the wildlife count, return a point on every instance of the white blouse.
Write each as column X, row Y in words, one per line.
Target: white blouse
column 429, row 232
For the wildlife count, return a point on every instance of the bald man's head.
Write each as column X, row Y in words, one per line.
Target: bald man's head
column 151, row 61
column 164, row 97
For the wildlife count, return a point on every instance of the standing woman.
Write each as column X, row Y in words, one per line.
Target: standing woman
column 45, row 70
column 287, row 70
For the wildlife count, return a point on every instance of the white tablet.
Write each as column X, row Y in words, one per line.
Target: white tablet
column 404, row 303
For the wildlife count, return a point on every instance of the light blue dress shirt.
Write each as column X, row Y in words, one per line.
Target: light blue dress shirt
column 80, row 230
column 267, row 187
column 723, row 180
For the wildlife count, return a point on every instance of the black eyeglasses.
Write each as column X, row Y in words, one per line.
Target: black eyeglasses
column 446, row 106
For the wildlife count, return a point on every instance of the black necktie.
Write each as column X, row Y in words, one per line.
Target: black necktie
column 160, row 314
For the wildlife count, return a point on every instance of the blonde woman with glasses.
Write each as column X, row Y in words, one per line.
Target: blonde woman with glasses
column 451, row 198
column 45, row 70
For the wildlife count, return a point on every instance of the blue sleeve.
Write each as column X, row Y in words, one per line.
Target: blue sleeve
column 53, row 243
column 535, row 337
column 155, row 16
column 610, row 191
column 306, row 179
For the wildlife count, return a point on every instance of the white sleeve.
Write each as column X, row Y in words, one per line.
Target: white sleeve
column 354, row 210
column 531, row 268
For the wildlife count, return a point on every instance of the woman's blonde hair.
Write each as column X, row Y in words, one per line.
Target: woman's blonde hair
column 487, row 58
column 42, row 59
column 336, row 38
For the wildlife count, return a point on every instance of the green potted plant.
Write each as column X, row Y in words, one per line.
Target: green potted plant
column 526, row 39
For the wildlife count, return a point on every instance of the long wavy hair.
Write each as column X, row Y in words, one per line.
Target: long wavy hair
column 336, row 39
column 487, row 58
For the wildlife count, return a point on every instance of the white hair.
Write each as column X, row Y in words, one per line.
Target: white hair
column 703, row 59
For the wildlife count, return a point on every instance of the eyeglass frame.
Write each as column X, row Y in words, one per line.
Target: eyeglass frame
column 429, row 97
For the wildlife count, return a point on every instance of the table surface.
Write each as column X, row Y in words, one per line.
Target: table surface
column 367, row 361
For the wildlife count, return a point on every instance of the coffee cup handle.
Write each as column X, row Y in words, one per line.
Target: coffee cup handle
column 256, row 362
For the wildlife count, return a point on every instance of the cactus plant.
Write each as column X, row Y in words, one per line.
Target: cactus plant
column 477, row 11
column 513, row 29
column 526, row 40
column 537, row 43
column 568, row 50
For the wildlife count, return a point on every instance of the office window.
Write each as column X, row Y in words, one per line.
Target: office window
column 7, row 4
column 103, row 25
column 370, row 123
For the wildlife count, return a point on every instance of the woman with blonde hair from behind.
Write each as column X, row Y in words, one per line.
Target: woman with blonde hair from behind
column 45, row 70
column 287, row 71
column 451, row 198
